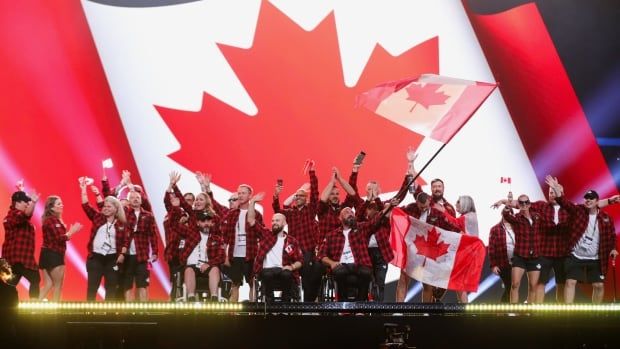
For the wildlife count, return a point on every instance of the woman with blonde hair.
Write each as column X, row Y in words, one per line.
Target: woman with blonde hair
column 106, row 244
column 467, row 222
column 52, row 256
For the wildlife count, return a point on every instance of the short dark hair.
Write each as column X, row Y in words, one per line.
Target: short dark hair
column 436, row 180
column 422, row 197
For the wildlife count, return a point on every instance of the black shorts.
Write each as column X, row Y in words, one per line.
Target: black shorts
column 583, row 270
column 555, row 263
column 198, row 272
column 135, row 271
column 49, row 259
column 529, row 264
column 240, row 268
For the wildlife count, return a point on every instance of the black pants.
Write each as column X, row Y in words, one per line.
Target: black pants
column 352, row 282
column 98, row 266
column 176, row 279
column 506, row 275
column 31, row 275
column 379, row 271
column 277, row 278
column 311, row 273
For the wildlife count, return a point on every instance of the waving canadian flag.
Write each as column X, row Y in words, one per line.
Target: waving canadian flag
column 431, row 105
column 435, row 256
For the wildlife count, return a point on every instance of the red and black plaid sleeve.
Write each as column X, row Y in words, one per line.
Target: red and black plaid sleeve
column 498, row 253
column 18, row 246
column 382, row 235
column 607, row 241
column 220, row 209
column 215, row 249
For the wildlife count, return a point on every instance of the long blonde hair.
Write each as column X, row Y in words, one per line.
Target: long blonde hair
column 120, row 211
column 49, row 205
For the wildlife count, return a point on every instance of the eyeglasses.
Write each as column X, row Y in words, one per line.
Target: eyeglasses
column 233, row 199
column 526, row 202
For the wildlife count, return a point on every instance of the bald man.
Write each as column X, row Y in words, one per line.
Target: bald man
column 279, row 256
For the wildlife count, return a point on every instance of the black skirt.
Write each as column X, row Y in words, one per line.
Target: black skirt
column 49, row 259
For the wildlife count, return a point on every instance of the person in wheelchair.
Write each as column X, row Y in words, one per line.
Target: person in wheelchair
column 345, row 252
column 279, row 256
column 203, row 252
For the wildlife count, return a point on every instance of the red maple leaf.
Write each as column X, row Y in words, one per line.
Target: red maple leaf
column 304, row 111
column 430, row 247
column 426, row 95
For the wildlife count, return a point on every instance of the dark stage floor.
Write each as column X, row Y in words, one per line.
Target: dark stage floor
column 329, row 325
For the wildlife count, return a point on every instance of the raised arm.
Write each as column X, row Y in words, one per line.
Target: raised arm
column 275, row 204
column 345, row 185
column 251, row 215
column 314, row 187
column 90, row 212
column 328, row 188
column 31, row 204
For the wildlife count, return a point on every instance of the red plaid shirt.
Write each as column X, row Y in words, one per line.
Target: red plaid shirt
column 172, row 236
column 498, row 253
column 382, row 235
column 291, row 251
column 143, row 231
column 434, row 217
column 328, row 215
column 220, row 209
column 301, row 221
column 228, row 225
column 333, row 244
column 191, row 233
column 18, row 246
column 579, row 217
column 54, row 235
column 98, row 220
column 527, row 236
column 553, row 241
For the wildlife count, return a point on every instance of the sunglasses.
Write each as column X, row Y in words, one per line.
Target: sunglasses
column 526, row 202
column 233, row 199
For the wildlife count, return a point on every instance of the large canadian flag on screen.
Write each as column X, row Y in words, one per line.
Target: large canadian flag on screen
column 435, row 256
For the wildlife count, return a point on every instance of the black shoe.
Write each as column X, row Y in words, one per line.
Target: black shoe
column 214, row 299
column 191, row 298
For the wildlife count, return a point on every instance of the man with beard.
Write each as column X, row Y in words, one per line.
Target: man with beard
column 302, row 225
column 329, row 206
column 279, row 256
column 345, row 252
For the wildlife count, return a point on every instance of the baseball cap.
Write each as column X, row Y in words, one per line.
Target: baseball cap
column 591, row 194
column 20, row 196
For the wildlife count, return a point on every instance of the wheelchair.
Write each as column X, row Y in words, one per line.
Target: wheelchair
column 261, row 296
column 329, row 290
column 202, row 288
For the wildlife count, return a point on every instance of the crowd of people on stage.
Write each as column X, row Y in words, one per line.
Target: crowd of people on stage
column 313, row 236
